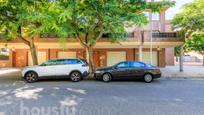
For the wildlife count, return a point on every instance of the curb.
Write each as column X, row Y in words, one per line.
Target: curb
column 164, row 78
column 182, row 78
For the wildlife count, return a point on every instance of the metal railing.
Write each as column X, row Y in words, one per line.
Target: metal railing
column 49, row 36
column 125, row 35
column 122, row 35
column 165, row 35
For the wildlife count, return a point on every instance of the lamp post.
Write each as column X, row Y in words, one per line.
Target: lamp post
column 151, row 36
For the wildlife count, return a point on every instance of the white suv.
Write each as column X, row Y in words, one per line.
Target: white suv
column 75, row 69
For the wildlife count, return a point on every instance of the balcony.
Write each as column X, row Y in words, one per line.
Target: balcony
column 165, row 35
column 137, row 36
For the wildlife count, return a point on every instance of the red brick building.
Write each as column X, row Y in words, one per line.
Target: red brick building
column 106, row 53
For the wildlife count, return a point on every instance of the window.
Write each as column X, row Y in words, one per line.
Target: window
column 146, row 14
column 155, row 16
column 4, row 54
column 123, row 65
column 53, row 62
column 72, row 61
column 136, row 64
column 59, row 62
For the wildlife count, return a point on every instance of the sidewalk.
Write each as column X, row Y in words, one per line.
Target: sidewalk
column 190, row 71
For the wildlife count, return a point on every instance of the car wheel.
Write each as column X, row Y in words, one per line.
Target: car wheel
column 148, row 78
column 31, row 77
column 76, row 76
column 106, row 77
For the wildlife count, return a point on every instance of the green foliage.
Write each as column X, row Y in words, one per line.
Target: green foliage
column 33, row 16
column 191, row 18
column 196, row 42
column 89, row 18
column 191, row 23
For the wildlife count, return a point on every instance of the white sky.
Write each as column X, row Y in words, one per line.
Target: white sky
column 170, row 13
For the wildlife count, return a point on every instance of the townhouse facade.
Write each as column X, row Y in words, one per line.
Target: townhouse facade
column 153, row 43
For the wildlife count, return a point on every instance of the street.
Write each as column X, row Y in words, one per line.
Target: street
column 161, row 97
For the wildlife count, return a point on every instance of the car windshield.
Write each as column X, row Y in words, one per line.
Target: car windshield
column 149, row 65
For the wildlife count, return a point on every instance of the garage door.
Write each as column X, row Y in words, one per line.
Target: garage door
column 64, row 55
column 115, row 57
column 146, row 58
column 41, row 58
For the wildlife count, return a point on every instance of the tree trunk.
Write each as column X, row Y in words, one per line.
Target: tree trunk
column 89, row 57
column 33, row 52
column 31, row 44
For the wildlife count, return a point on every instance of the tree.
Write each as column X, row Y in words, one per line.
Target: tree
column 196, row 43
column 88, row 20
column 26, row 19
column 190, row 22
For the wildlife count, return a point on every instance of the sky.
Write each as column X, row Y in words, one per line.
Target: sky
column 170, row 13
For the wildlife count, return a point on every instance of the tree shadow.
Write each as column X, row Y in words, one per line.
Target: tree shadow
column 38, row 96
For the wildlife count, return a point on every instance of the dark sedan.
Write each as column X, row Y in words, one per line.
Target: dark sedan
column 128, row 70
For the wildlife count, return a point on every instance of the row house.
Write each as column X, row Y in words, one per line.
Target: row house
column 153, row 44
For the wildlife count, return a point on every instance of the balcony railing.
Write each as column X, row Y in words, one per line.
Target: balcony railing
column 49, row 36
column 165, row 35
column 133, row 36
column 124, row 35
column 45, row 35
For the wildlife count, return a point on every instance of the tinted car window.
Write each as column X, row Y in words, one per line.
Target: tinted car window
column 59, row 62
column 123, row 65
column 49, row 63
column 136, row 65
column 54, row 62
column 72, row 61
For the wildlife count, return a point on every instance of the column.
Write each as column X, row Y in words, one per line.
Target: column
column 140, row 53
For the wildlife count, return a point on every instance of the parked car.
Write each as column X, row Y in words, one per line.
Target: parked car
column 75, row 69
column 128, row 70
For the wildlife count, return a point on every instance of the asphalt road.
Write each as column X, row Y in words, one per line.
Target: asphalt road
column 162, row 97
